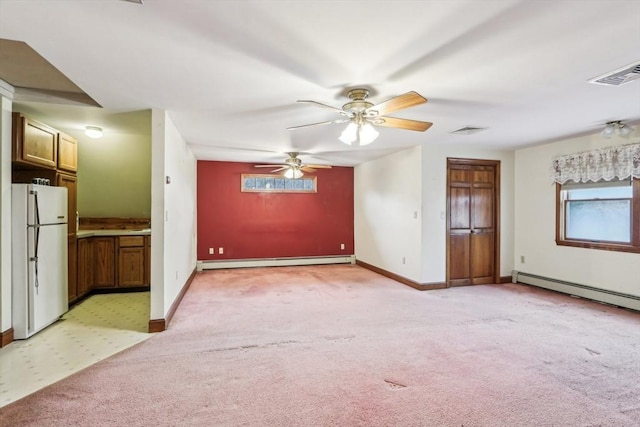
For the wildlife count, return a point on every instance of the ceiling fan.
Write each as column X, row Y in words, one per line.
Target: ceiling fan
column 294, row 167
column 362, row 115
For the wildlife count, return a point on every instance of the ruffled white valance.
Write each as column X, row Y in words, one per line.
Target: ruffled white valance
column 619, row 162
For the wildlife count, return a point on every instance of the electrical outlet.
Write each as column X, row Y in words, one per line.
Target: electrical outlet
column 220, row 251
column 342, row 246
column 211, row 251
column 521, row 259
column 404, row 260
column 415, row 214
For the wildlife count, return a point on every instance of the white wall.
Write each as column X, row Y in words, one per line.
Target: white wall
column 6, row 95
column 389, row 190
column 535, row 226
column 387, row 196
column 173, row 214
column 434, row 200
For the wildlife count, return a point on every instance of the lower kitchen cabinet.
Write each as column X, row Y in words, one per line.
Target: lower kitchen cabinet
column 104, row 262
column 131, row 261
column 85, row 262
column 72, row 277
column 111, row 262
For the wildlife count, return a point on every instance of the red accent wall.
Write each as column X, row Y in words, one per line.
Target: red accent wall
column 271, row 225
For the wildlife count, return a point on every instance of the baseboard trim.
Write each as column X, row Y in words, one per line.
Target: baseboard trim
column 6, row 337
column 505, row 279
column 274, row 262
column 159, row 325
column 584, row 291
column 402, row 279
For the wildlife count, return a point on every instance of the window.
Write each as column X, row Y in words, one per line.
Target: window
column 277, row 184
column 601, row 215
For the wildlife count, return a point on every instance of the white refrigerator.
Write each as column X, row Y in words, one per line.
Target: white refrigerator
column 39, row 257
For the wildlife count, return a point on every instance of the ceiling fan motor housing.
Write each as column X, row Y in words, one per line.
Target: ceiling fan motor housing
column 358, row 103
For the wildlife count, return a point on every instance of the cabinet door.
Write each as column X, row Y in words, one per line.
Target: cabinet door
column 85, row 265
column 72, row 281
column 104, row 252
column 34, row 143
column 67, row 153
column 131, row 266
column 71, row 182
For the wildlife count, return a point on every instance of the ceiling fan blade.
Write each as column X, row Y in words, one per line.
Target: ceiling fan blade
column 392, row 122
column 319, row 104
column 320, row 123
column 409, row 99
column 319, row 166
column 279, row 169
column 306, row 168
column 271, row 166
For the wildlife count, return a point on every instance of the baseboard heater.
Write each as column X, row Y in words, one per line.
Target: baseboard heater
column 610, row 297
column 274, row 262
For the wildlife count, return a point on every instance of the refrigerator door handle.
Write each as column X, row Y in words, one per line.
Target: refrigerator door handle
column 36, row 234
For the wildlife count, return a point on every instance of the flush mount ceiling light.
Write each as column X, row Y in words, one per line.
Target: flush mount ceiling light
column 610, row 129
column 93, row 131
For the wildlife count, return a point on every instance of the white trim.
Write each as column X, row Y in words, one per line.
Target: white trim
column 7, row 90
column 610, row 297
column 274, row 262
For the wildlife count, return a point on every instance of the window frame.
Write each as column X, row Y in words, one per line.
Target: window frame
column 633, row 246
column 312, row 179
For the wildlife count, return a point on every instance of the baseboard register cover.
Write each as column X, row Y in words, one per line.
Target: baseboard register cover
column 274, row 262
column 610, row 297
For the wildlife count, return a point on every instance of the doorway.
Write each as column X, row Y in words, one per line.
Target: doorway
column 473, row 223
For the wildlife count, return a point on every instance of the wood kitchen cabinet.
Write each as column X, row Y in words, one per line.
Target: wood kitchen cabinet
column 104, row 262
column 34, row 143
column 131, row 261
column 67, row 153
column 85, row 260
column 72, row 273
column 71, row 183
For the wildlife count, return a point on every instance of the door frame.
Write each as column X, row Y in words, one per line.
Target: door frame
column 496, row 213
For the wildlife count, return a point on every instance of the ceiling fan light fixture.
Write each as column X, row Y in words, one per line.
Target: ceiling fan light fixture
column 349, row 134
column 293, row 173
column 623, row 129
column 368, row 134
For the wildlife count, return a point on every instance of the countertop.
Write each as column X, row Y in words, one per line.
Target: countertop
column 92, row 233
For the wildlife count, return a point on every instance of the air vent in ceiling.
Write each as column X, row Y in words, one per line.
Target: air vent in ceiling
column 620, row 76
column 135, row 1
column 467, row 130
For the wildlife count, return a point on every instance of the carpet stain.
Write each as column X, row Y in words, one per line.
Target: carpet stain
column 394, row 385
column 253, row 346
column 340, row 338
column 592, row 352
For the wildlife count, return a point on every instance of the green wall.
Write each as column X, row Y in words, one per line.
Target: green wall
column 114, row 176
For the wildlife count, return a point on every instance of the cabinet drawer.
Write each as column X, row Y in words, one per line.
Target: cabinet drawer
column 131, row 241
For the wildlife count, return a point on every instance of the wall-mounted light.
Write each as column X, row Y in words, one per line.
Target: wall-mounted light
column 93, row 131
column 610, row 129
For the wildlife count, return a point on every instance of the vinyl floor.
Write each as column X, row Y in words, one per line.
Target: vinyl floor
column 93, row 330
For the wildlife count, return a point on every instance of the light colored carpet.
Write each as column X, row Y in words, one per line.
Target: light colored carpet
column 340, row 345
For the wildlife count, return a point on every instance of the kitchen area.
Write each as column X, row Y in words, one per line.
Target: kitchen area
column 108, row 182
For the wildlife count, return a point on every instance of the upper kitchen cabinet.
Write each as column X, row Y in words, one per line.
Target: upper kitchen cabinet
column 34, row 143
column 67, row 153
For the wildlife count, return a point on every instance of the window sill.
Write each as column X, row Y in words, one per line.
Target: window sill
column 600, row 246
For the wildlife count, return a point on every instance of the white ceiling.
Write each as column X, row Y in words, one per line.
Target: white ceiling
column 229, row 72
